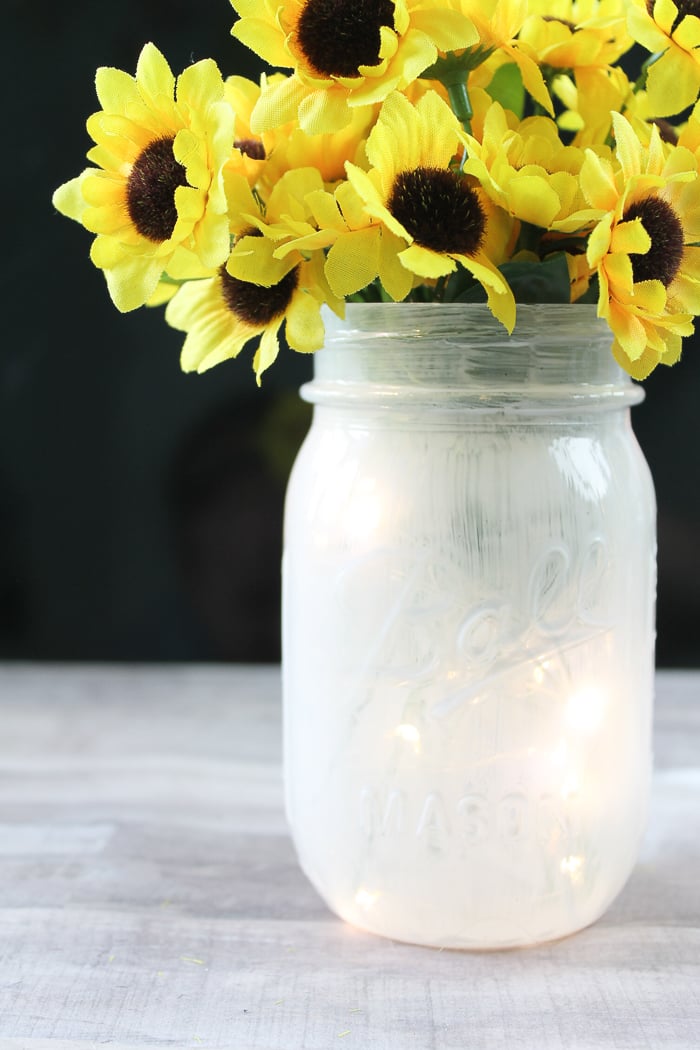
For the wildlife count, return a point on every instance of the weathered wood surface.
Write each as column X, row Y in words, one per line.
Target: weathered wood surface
column 149, row 894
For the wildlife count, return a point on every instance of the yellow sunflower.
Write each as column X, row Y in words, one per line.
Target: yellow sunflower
column 579, row 42
column 156, row 198
column 421, row 212
column 670, row 31
column 255, row 293
column 576, row 34
column 344, row 54
column 326, row 153
column 250, row 152
column 643, row 246
column 499, row 23
column 689, row 135
column 524, row 166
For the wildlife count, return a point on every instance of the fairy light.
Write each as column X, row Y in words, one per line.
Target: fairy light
column 410, row 734
column 560, row 754
column 364, row 512
column 561, row 758
column 570, row 787
column 585, row 710
column 571, row 866
column 365, row 898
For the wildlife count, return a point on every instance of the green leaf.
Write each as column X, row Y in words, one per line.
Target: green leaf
column 539, row 282
column 591, row 294
column 531, row 282
column 462, row 287
column 507, row 88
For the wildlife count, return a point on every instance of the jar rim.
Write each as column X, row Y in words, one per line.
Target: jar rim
column 543, row 321
column 459, row 354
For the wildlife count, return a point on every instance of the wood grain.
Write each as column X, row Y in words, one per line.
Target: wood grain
column 150, row 896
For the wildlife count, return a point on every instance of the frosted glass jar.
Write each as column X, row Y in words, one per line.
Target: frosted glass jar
column 469, row 584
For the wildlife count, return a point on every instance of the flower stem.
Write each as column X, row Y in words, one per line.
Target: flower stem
column 461, row 104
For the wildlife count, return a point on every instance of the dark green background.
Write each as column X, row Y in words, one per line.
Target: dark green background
column 140, row 509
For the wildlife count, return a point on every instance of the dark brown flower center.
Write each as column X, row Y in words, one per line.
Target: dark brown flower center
column 439, row 210
column 253, row 303
column 150, row 190
column 251, row 147
column 562, row 21
column 667, row 132
column 663, row 260
column 338, row 36
column 685, row 7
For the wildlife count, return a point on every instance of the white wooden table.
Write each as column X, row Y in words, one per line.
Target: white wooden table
column 149, row 894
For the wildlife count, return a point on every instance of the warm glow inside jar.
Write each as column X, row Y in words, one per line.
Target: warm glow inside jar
column 469, row 583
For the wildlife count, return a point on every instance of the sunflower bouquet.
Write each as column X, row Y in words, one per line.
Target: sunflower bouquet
column 422, row 150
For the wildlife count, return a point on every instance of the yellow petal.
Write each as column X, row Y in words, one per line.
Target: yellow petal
column 304, row 329
column 116, row 90
column 267, row 351
column 353, row 261
column 440, row 131
column 628, row 148
column 599, row 241
column 110, row 219
column 650, row 297
column 252, row 260
column 499, row 296
column 641, row 367
column 325, row 210
column 132, row 281
column 264, row 39
column 598, row 182
column 279, row 103
column 620, row 273
column 665, row 13
column 533, row 200
column 324, row 111
column 185, row 265
column 643, row 29
column 449, row 30
column 190, row 203
column 188, row 151
column 630, row 237
column 69, row 199
column 628, row 330
column 200, row 85
column 212, row 240
column 673, row 82
column 153, row 75
column 426, row 263
column 687, row 35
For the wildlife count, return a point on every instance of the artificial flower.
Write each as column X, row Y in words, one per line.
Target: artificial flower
column 578, row 43
column 671, row 32
column 249, row 152
column 156, row 199
column 590, row 98
column 429, row 212
column 327, row 153
column 223, row 314
column 406, row 149
column 643, row 247
column 576, row 34
column 499, row 23
column 524, row 166
column 344, row 54
column 255, row 293
column 689, row 135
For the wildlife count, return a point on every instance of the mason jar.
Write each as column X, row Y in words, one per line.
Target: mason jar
column 468, row 625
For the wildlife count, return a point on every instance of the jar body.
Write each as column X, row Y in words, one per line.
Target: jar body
column 469, row 581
